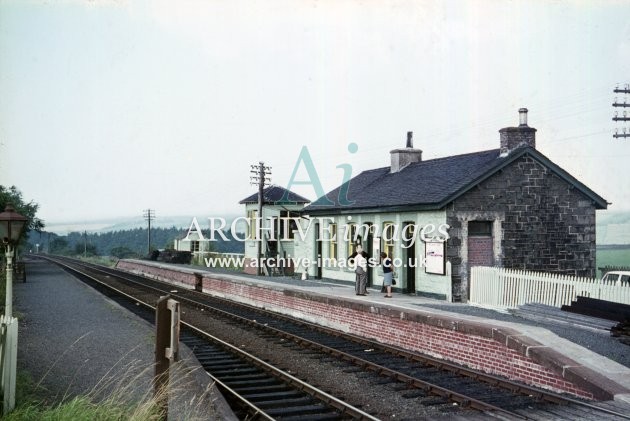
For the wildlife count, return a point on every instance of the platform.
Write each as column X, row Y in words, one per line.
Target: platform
column 513, row 349
column 74, row 341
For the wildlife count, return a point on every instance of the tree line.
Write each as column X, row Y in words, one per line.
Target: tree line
column 12, row 195
column 121, row 243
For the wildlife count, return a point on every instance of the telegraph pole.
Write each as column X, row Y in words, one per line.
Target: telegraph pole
column 149, row 215
column 260, row 176
column 85, row 244
column 623, row 132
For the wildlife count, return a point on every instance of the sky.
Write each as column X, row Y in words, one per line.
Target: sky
column 108, row 108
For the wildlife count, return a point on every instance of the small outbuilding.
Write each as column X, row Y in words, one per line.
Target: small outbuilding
column 275, row 241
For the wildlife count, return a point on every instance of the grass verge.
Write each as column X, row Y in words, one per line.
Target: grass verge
column 115, row 398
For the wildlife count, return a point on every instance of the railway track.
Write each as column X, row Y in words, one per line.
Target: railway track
column 416, row 375
column 254, row 389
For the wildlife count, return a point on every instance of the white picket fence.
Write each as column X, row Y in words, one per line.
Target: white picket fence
column 502, row 289
column 8, row 361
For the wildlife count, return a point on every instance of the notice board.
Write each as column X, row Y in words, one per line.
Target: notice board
column 435, row 257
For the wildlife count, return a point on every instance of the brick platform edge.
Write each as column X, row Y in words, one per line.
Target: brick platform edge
column 501, row 351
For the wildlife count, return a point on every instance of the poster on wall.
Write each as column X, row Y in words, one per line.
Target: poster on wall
column 434, row 254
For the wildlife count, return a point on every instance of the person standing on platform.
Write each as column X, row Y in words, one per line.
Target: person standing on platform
column 388, row 274
column 361, row 261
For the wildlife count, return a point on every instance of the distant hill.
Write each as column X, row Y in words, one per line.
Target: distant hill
column 130, row 242
column 104, row 237
column 122, row 224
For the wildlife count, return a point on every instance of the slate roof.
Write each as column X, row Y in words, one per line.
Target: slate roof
column 431, row 184
column 273, row 195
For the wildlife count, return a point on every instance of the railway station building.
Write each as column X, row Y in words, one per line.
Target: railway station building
column 509, row 207
column 281, row 209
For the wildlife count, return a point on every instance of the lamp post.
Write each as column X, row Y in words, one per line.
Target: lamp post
column 11, row 225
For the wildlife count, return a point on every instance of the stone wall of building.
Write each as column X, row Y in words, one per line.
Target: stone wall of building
column 540, row 222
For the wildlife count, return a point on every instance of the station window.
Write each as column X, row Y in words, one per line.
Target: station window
column 408, row 233
column 289, row 224
column 351, row 233
column 479, row 228
column 275, row 224
column 388, row 239
column 251, row 217
column 194, row 246
column 332, row 250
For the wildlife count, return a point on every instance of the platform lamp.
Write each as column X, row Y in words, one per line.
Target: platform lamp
column 11, row 226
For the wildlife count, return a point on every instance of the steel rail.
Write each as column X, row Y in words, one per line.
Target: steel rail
column 409, row 380
column 332, row 401
column 301, row 385
column 461, row 399
column 421, row 384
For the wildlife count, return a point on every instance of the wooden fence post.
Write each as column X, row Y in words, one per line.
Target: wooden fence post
column 8, row 358
column 166, row 349
column 198, row 282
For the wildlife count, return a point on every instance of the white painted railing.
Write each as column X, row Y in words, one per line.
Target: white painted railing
column 501, row 289
column 8, row 360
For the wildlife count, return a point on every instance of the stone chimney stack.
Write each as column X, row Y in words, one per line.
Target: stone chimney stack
column 515, row 137
column 403, row 157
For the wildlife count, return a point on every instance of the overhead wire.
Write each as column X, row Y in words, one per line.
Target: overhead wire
column 577, row 103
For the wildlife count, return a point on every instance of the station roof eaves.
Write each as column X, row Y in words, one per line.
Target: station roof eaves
column 274, row 195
